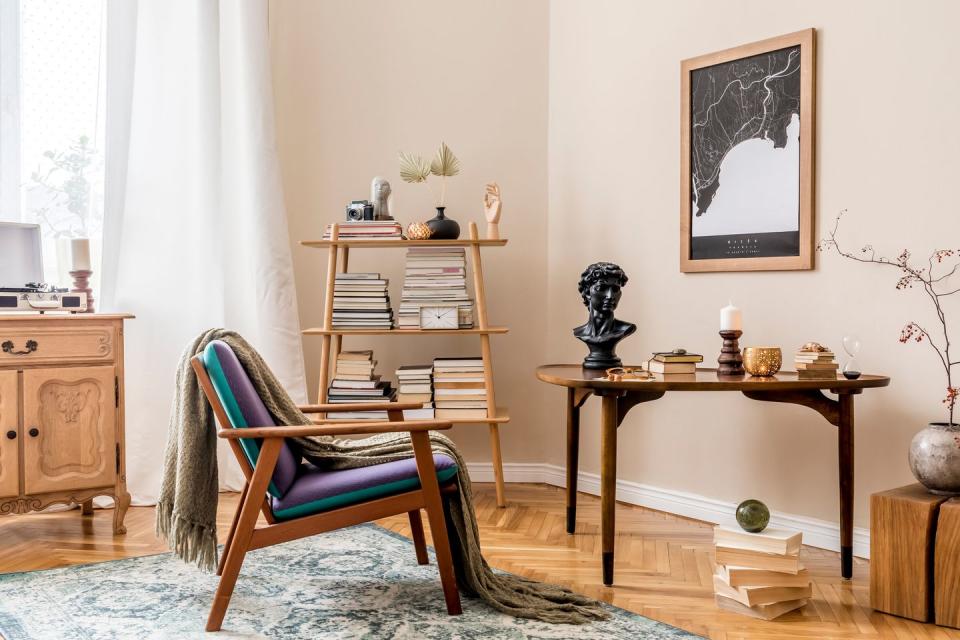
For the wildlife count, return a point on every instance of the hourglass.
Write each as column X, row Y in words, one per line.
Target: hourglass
column 851, row 370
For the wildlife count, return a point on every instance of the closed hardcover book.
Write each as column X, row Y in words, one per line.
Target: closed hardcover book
column 453, row 414
column 770, row 540
column 753, row 596
column 669, row 356
column 761, row 611
column 655, row 366
column 758, row 560
column 745, row 577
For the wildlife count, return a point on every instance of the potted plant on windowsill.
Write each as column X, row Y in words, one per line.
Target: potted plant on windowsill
column 935, row 451
column 414, row 169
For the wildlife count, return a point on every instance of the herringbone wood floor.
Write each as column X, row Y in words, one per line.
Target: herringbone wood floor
column 664, row 562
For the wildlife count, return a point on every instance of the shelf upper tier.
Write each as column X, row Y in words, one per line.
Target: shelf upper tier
column 401, row 332
column 381, row 243
column 503, row 415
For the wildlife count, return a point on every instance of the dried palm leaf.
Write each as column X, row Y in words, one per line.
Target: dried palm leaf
column 413, row 169
column 445, row 163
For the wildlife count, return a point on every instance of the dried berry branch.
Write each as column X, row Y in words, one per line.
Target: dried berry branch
column 911, row 275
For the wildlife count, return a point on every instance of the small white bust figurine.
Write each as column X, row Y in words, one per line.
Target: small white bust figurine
column 381, row 197
column 491, row 209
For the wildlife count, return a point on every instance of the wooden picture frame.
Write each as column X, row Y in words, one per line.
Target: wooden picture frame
column 776, row 68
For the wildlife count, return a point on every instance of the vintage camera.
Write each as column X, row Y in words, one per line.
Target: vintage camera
column 359, row 210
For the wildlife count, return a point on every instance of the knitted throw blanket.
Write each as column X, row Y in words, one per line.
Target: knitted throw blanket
column 187, row 508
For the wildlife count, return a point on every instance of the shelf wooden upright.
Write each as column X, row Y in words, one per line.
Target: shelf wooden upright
column 333, row 338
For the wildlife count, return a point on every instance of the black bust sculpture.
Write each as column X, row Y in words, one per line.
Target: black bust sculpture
column 600, row 285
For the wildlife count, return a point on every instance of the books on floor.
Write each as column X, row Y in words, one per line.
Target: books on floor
column 415, row 384
column 759, row 574
column 361, row 301
column 673, row 362
column 815, row 363
column 366, row 230
column 435, row 276
column 459, row 388
column 355, row 382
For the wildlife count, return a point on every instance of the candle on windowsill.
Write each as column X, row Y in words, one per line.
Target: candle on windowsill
column 80, row 254
column 730, row 318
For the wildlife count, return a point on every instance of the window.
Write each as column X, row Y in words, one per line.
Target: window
column 52, row 85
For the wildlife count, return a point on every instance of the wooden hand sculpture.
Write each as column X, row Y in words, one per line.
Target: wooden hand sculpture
column 491, row 209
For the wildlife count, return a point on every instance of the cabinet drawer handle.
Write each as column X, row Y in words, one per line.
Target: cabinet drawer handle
column 31, row 346
column 34, row 432
column 11, row 435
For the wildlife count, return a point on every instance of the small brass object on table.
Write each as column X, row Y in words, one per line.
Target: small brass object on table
column 762, row 361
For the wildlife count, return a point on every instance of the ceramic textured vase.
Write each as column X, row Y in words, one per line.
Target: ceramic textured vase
column 443, row 228
column 935, row 458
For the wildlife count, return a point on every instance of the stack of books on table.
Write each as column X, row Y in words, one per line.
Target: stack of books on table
column 759, row 574
column 355, row 381
column 672, row 362
column 366, row 230
column 361, row 301
column 435, row 276
column 816, row 365
column 459, row 390
column 415, row 384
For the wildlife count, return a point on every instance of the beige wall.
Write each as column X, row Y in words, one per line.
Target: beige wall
column 590, row 90
column 888, row 99
column 357, row 81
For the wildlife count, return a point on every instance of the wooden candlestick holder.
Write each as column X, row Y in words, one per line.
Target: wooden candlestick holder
column 81, row 284
column 730, row 360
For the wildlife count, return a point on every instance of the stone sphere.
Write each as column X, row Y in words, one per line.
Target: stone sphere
column 753, row 516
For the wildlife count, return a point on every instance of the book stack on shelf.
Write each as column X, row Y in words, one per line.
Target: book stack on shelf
column 459, row 389
column 435, row 276
column 361, row 301
column 355, row 381
column 815, row 363
column 672, row 362
column 415, row 384
column 759, row 574
column 366, row 230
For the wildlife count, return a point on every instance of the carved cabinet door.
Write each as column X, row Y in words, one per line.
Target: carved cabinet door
column 69, row 428
column 9, row 424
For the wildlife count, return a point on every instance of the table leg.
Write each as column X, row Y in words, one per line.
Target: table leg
column 573, row 457
column 608, row 482
column 845, row 455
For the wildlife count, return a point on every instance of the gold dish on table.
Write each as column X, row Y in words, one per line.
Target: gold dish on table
column 762, row 361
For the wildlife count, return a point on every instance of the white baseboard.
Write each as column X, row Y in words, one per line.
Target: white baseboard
column 816, row 533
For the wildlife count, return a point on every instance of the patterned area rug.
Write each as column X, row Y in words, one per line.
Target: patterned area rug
column 362, row 582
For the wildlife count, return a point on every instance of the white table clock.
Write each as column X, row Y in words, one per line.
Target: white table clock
column 439, row 317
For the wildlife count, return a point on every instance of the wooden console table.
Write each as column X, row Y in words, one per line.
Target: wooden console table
column 617, row 398
column 61, row 412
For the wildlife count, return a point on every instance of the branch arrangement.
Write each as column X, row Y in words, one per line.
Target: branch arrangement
column 933, row 278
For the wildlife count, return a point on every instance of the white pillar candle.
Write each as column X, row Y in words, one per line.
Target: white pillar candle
column 730, row 318
column 80, row 254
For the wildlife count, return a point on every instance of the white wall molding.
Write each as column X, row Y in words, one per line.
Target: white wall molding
column 816, row 533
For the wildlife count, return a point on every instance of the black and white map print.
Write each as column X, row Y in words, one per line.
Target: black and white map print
column 745, row 157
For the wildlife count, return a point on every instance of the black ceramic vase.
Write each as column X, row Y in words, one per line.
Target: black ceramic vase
column 443, row 228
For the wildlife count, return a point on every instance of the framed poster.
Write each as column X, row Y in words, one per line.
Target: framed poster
column 746, row 168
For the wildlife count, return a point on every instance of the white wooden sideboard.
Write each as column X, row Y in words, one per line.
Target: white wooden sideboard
column 61, row 412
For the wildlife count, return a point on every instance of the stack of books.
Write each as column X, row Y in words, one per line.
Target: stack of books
column 366, row 230
column 415, row 384
column 361, row 301
column 759, row 574
column 816, row 365
column 355, row 381
column 435, row 276
column 671, row 362
column 459, row 390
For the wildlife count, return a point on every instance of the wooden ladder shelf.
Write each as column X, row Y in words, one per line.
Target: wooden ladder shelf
column 333, row 338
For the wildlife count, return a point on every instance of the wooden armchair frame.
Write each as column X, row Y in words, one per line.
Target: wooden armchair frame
column 245, row 536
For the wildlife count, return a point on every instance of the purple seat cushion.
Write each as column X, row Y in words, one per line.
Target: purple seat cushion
column 244, row 408
column 316, row 490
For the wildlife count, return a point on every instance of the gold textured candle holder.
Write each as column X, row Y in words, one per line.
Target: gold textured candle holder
column 762, row 361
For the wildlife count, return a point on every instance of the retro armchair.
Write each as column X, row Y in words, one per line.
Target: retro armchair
column 298, row 499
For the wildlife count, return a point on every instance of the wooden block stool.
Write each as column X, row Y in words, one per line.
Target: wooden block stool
column 902, row 530
column 946, row 565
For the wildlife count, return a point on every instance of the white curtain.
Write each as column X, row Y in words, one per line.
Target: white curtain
column 195, row 228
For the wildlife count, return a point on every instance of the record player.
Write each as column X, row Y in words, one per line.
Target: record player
column 36, row 296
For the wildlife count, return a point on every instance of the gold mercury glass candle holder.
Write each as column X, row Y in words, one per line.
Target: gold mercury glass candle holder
column 762, row 361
